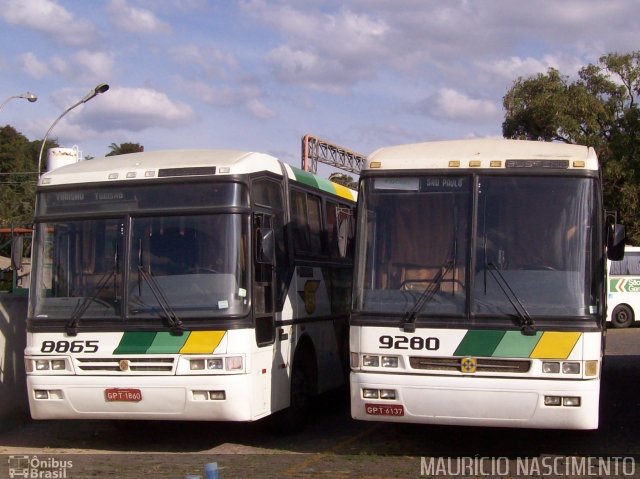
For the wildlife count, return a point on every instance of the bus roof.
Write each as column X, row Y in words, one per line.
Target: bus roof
column 150, row 165
column 482, row 153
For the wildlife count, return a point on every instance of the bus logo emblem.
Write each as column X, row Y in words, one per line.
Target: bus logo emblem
column 468, row 365
column 123, row 365
column 309, row 295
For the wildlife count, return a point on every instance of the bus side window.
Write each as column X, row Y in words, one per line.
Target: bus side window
column 299, row 221
column 267, row 196
column 306, row 218
column 628, row 266
column 314, row 217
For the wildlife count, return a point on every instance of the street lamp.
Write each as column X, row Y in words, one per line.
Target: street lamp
column 27, row 96
column 101, row 88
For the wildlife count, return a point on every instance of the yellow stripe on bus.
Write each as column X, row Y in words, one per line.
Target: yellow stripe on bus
column 344, row 192
column 555, row 345
column 202, row 342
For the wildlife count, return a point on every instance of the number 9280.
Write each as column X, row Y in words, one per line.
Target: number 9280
column 403, row 342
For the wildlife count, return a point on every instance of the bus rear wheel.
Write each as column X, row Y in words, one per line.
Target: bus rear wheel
column 622, row 316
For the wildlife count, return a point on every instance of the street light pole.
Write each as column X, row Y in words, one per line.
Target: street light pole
column 101, row 88
column 27, row 96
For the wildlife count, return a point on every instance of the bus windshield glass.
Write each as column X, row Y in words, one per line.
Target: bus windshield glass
column 135, row 266
column 416, row 239
column 532, row 239
column 197, row 263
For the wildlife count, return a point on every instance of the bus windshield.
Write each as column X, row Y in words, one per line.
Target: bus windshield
column 531, row 239
column 194, row 265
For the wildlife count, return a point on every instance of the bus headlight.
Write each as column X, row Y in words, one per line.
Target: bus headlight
column 58, row 364
column 374, row 361
column 550, row 367
column 370, row 361
column 571, row 368
column 571, row 401
column 552, row 400
column 196, row 364
column 43, row 365
column 48, row 364
column 370, row 393
column 389, row 362
column 215, row 363
column 387, row 394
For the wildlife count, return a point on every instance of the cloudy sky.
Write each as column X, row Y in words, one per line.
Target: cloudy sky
column 259, row 74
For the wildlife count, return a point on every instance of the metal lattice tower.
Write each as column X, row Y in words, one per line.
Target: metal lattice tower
column 315, row 150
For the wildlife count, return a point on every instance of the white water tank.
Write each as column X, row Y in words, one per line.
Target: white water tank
column 57, row 157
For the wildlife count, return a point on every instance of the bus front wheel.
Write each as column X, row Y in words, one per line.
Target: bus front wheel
column 293, row 419
column 622, row 316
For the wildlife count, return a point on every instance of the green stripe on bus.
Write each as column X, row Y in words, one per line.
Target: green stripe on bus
column 479, row 343
column 326, row 185
column 135, row 343
column 167, row 343
column 514, row 344
column 305, row 177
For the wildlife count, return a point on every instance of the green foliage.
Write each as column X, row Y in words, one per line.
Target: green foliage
column 344, row 180
column 19, row 173
column 124, row 148
column 599, row 109
column 18, row 176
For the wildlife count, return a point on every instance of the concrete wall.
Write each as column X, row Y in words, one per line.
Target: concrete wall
column 14, row 406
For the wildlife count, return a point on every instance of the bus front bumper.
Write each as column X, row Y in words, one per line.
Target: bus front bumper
column 157, row 398
column 476, row 401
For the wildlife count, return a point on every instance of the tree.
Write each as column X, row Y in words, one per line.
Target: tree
column 344, row 180
column 18, row 176
column 124, row 148
column 599, row 109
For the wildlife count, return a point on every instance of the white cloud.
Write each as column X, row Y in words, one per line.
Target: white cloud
column 98, row 65
column 515, row 66
column 49, row 18
column 87, row 66
column 135, row 20
column 455, row 106
column 245, row 96
column 259, row 109
column 305, row 67
column 324, row 51
column 59, row 65
column 133, row 109
column 211, row 60
column 33, row 66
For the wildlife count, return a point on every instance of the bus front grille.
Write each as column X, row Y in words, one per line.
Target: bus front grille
column 482, row 364
column 126, row 365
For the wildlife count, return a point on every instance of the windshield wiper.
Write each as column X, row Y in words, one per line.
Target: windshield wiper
column 72, row 325
column 81, row 307
column 527, row 325
column 175, row 323
column 409, row 319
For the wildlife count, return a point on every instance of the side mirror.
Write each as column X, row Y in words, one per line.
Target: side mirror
column 345, row 229
column 343, row 238
column 17, row 245
column 616, row 236
column 265, row 247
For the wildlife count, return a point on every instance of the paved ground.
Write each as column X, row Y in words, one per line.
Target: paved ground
column 335, row 446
